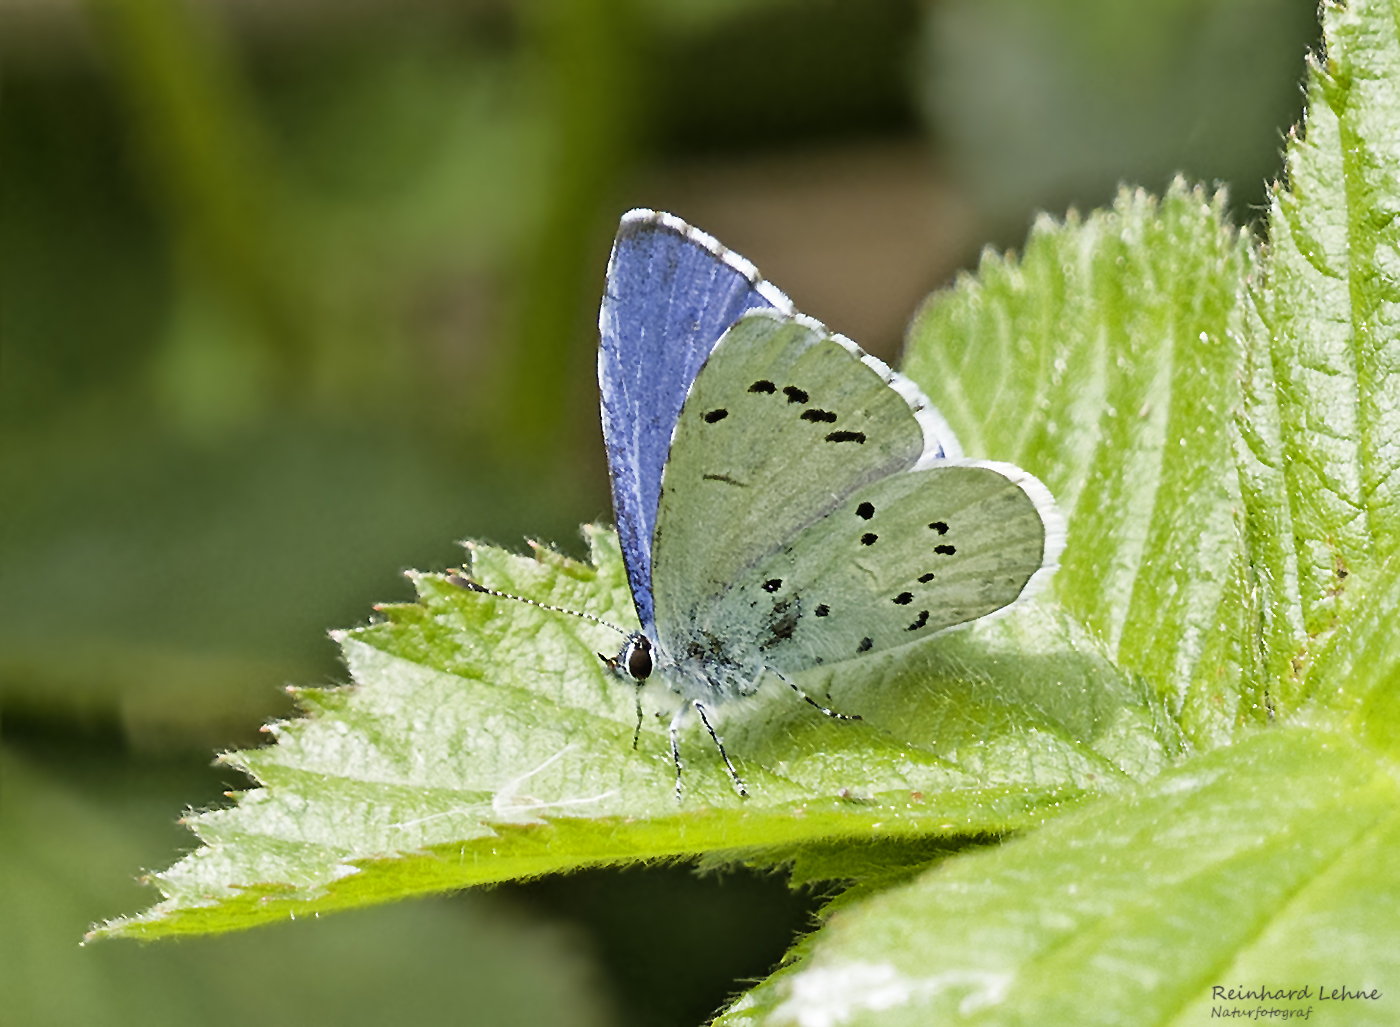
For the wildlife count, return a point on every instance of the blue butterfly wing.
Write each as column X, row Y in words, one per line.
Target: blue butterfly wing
column 672, row 291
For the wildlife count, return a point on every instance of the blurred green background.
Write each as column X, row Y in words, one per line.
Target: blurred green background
column 296, row 293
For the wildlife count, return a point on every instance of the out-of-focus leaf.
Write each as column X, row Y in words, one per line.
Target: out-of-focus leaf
column 686, row 17
column 1045, row 104
column 69, row 845
column 176, row 587
column 204, row 146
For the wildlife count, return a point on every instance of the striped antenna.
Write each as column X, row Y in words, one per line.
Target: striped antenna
column 462, row 581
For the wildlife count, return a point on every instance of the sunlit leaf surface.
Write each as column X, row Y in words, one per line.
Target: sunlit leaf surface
column 1105, row 361
column 1132, row 910
column 484, row 740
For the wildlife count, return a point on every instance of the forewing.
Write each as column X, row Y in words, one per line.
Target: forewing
column 782, row 425
column 893, row 563
column 672, row 291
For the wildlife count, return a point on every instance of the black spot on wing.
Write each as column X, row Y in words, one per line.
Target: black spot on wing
column 939, row 527
column 823, row 610
column 926, row 578
column 904, row 598
column 794, row 394
column 772, row 584
column 716, row 415
column 846, row 436
column 923, row 619
column 763, row 385
column 865, row 511
column 865, row 645
column 944, row 550
column 869, row 538
column 814, row 414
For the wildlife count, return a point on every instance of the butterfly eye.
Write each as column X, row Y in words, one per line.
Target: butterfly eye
column 639, row 658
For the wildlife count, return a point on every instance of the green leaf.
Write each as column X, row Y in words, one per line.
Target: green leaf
column 1130, row 911
column 484, row 740
column 1323, row 345
column 1359, row 671
column 1105, row 362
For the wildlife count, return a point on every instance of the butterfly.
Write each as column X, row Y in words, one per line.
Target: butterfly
column 783, row 499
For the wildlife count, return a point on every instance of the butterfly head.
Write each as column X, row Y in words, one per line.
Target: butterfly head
column 636, row 657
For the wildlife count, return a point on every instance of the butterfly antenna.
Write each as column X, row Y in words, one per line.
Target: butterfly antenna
column 462, row 581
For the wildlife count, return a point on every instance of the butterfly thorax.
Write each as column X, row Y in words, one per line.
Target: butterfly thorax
column 701, row 665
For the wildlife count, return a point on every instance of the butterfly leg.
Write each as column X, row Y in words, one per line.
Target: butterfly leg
column 812, row 702
column 676, row 747
column 733, row 774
